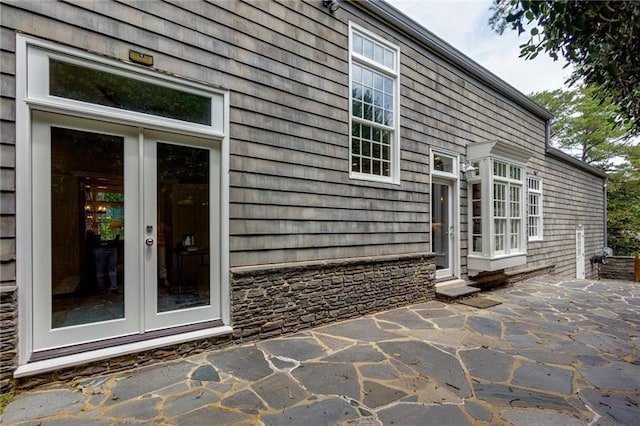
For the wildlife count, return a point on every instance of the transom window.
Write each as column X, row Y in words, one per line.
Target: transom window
column 534, row 189
column 374, row 88
column 82, row 83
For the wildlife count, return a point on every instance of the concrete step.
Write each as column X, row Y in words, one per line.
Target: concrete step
column 457, row 292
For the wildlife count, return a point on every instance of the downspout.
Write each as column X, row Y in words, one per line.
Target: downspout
column 604, row 196
column 547, row 134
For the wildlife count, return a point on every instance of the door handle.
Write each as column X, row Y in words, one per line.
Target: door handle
column 149, row 241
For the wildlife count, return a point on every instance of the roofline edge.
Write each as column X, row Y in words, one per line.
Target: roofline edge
column 389, row 13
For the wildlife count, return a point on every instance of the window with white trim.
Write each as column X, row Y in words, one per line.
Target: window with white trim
column 374, row 89
column 507, row 201
column 498, row 234
column 534, row 225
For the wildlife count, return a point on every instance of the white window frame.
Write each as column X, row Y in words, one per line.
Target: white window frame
column 483, row 156
column 453, row 177
column 32, row 94
column 393, row 73
column 537, row 192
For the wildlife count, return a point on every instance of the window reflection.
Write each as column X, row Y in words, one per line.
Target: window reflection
column 112, row 90
column 87, row 227
column 183, row 227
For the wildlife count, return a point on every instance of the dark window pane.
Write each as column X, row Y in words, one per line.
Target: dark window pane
column 366, row 165
column 376, row 150
column 103, row 88
column 366, row 148
column 376, row 167
column 183, row 227
column 355, row 164
column 355, row 146
column 87, row 227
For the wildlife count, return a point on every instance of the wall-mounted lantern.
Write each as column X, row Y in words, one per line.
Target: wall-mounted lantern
column 468, row 171
column 333, row 5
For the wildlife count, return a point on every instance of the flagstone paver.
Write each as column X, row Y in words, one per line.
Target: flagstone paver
column 554, row 352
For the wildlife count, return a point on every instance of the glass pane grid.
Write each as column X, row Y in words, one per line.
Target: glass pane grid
column 499, row 169
column 476, row 238
column 515, row 234
column 533, row 184
column 373, row 50
column 370, row 150
column 500, row 227
column 372, row 96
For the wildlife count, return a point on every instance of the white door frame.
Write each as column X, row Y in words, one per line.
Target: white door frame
column 580, row 258
column 32, row 94
column 452, row 178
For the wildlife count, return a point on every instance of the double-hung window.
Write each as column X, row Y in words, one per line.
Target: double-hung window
column 374, row 90
column 498, row 234
column 534, row 190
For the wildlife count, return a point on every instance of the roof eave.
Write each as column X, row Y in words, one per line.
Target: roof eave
column 566, row 158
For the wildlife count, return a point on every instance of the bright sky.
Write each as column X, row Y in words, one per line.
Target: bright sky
column 464, row 25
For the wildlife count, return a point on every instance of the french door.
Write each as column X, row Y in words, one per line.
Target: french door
column 125, row 225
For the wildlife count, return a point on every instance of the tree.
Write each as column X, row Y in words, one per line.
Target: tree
column 590, row 131
column 600, row 38
column 623, row 209
column 585, row 127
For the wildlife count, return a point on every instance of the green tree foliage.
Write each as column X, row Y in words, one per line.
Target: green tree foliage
column 601, row 39
column 623, row 209
column 590, row 130
column 585, row 127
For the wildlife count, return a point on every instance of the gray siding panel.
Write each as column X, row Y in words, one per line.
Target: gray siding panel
column 285, row 64
column 572, row 197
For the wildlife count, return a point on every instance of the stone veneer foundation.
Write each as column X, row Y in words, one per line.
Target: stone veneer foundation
column 271, row 300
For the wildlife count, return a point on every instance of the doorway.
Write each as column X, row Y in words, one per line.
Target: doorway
column 126, row 231
column 443, row 229
column 580, row 260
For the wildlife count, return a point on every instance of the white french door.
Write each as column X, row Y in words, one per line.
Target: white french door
column 181, row 210
column 125, row 224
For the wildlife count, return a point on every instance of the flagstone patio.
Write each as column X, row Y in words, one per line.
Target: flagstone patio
column 553, row 352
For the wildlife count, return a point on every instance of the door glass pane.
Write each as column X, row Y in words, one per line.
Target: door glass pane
column 103, row 88
column 440, row 225
column 87, row 227
column 183, row 275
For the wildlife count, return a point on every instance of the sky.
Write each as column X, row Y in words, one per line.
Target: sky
column 464, row 25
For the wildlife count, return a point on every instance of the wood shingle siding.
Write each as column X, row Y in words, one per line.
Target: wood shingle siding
column 298, row 227
column 286, row 66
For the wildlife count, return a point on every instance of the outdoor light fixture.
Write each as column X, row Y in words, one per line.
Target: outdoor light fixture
column 333, row 5
column 468, row 170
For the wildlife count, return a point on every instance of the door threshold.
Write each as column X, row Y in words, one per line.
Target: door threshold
column 52, row 364
column 449, row 282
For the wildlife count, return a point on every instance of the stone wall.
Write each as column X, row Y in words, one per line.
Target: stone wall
column 272, row 300
column 618, row 268
column 488, row 280
column 268, row 301
column 8, row 338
